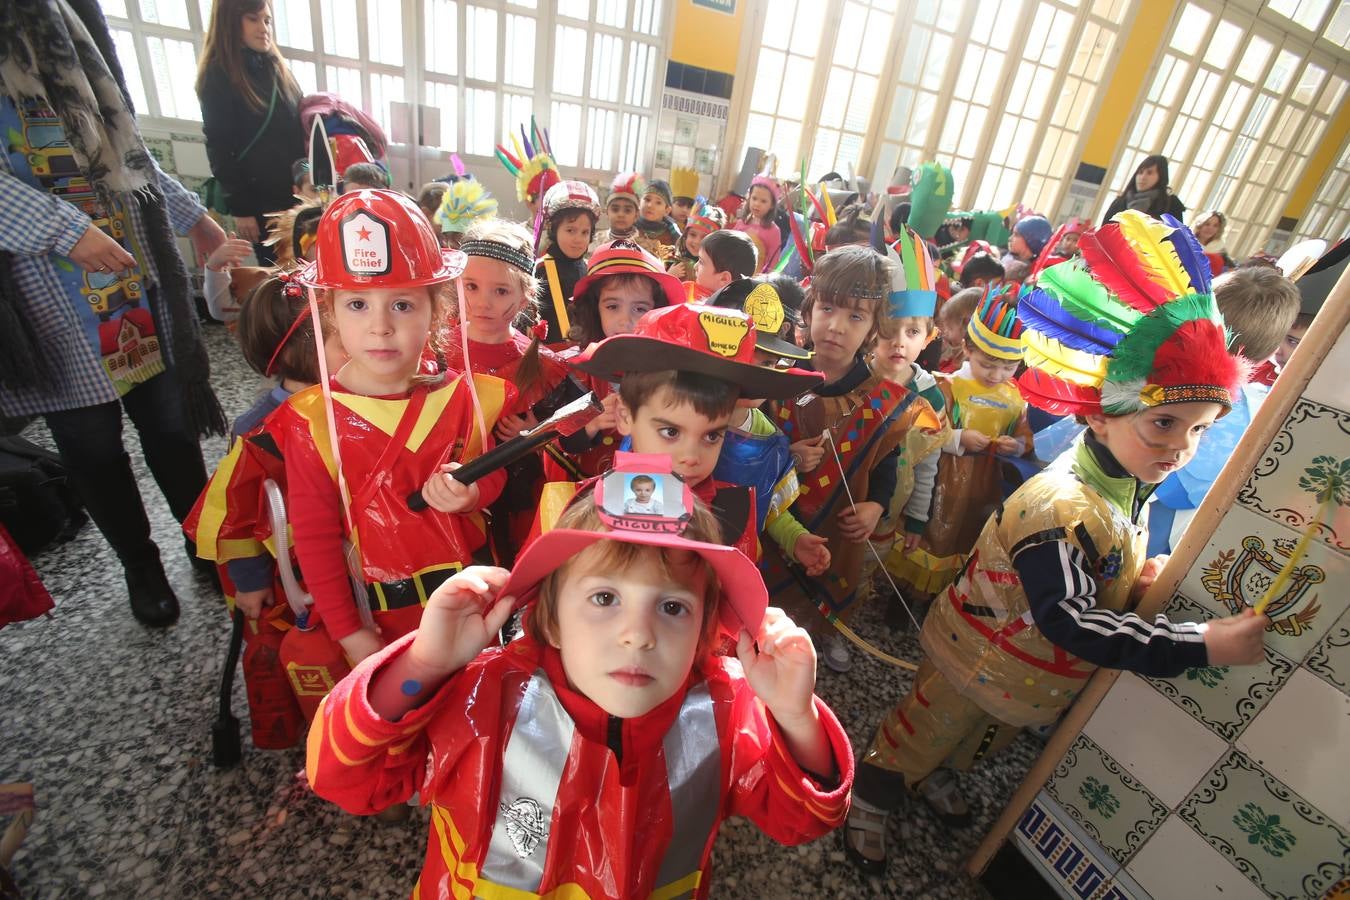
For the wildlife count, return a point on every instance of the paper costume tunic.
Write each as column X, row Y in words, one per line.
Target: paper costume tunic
column 536, row 791
column 969, row 485
column 389, row 448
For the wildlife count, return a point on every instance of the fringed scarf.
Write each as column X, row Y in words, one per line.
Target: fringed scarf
column 58, row 52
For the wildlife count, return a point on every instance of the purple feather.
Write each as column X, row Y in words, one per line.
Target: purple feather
column 1191, row 254
column 529, row 148
column 1041, row 312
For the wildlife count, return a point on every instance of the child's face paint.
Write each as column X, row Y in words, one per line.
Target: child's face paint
column 494, row 298
column 622, row 213
column 990, row 371
column 1153, row 444
column 674, row 428
column 760, row 201
column 628, row 639
column 383, row 330
column 621, row 305
column 838, row 332
column 574, row 236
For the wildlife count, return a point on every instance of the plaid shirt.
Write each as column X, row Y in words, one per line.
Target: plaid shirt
column 37, row 229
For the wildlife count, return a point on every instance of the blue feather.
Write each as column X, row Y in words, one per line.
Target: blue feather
column 1041, row 312
column 1191, row 254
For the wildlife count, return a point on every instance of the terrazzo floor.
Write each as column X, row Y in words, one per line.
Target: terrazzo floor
column 111, row 722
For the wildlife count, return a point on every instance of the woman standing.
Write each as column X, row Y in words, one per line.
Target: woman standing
column 1148, row 192
column 250, row 115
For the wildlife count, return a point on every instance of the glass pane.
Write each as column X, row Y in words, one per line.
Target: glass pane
column 1008, row 11
column 787, row 136
column 641, row 71
column 1331, row 97
column 442, row 38
column 204, row 10
column 850, row 148
column 568, row 77
column 445, row 98
column 807, row 28
column 339, row 37
column 165, row 12
column 520, row 61
column 900, row 104
column 516, row 111
column 606, row 64
column 384, row 23
column 1223, row 44
column 480, row 50
column 822, row 154
column 577, row 9
column 1058, row 39
column 1310, row 83
column 1338, row 32
column 647, row 17
column 968, row 75
column 796, row 88
column 114, row 8
column 860, row 103
column 565, row 132
column 1282, row 71
column 768, row 79
column 126, row 54
column 951, row 128
column 293, row 24
column 935, row 66
column 758, row 131
column 1254, row 60
column 344, row 82
column 168, row 58
column 480, row 121
column 613, row 13
column 1190, row 30
column 874, row 52
column 600, row 137
column 922, row 121
column 778, row 27
column 384, row 90
column 836, row 96
column 633, row 142
column 853, row 21
column 915, row 45
column 306, row 75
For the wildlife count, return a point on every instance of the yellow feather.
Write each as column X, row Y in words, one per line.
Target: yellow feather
column 1157, row 257
column 830, row 218
column 1052, row 357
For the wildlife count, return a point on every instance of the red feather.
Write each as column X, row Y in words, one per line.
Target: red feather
column 803, row 251
column 1114, row 263
column 1197, row 353
column 1056, row 395
column 1047, row 252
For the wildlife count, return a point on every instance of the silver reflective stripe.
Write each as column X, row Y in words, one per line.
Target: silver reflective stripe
column 694, row 772
column 532, row 768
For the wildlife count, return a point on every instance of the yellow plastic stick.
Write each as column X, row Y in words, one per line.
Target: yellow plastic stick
column 1295, row 558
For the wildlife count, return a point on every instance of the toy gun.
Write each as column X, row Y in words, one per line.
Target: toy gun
column 568, row 420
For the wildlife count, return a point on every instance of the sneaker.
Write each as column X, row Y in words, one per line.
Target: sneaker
column 864, row 836
column 836, row 653
column 943, row 796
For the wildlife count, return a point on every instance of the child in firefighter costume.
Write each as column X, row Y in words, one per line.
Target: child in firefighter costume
column 358, row 445
column 640, row 740
column 988, row 420
column 1128, row 337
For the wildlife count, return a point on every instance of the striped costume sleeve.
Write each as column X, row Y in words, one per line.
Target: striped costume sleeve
column 1062, row 593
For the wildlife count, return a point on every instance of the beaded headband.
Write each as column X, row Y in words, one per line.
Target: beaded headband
column 512, row 256
column 863, row 291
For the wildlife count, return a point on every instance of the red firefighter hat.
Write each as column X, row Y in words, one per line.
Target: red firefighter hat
column 624, row 257
column 378, row 239
column 711, row 340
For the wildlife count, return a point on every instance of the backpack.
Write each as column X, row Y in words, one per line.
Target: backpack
column 37, row 504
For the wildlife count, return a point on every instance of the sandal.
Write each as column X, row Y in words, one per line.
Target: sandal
column 864, row 837
column 943, row 796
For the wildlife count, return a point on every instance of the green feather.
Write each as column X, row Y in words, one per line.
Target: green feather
column 1133, row 357
column 1083, row 296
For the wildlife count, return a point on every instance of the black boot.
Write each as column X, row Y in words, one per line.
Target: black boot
column 152, row 600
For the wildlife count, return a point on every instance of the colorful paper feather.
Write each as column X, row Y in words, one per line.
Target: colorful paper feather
column 1042, row 313
column 1157, row 255
column 1191, row 255
column 1134, row 355
column 1056, row 395
column 1116, row 265
column 1054, row 358
column 1080, row 295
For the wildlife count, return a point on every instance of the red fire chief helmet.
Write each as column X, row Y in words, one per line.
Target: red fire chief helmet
column 378, row 239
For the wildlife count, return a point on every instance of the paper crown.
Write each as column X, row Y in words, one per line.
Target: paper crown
column 463, row 203
column 995, row 327
column 913, row 290
column 660, row 520
column 684, row 183
column 627, row 184
column 532, row 163
column 1131, row 325
column 930, row 196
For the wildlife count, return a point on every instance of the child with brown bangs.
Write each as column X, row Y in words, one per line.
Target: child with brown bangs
column 953, row 318
column 381, row 277
column 633, row 716
column 848, row 433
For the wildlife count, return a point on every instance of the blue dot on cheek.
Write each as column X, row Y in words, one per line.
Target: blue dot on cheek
column 411, row 687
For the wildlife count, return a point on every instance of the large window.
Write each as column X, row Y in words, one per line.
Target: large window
column 1238, row 106
column 589, row 70
column 1328, row 216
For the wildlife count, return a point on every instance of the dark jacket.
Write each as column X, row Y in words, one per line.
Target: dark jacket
column 1173, row 207
column 261, row 181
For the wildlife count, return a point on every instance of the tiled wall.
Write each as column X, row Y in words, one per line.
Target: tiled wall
column 1230, row 782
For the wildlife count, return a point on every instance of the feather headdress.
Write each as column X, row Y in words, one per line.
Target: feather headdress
column 1131, row 325
column 995, row 327
column 532, row 163
column 463, row 203
column 913, row 284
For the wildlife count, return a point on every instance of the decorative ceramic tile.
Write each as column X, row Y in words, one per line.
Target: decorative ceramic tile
column 1155, row 740
column 1286, row 846
column 1305, row 474
column 1242, row 561
column 1329, row 385
column 1065, row 858
column 1301, row 738
column 1177, row 864
column 1224, row 698
column 162, row 151
column 1107, row 801
column 1330, row 659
